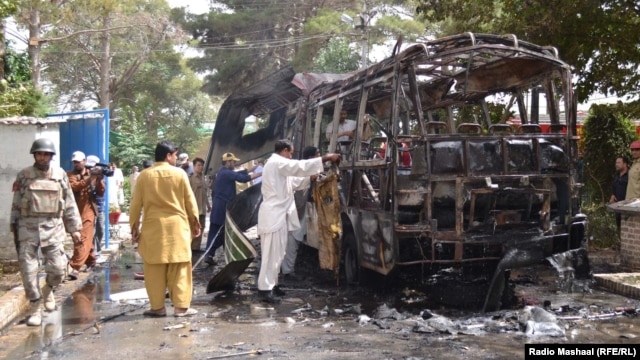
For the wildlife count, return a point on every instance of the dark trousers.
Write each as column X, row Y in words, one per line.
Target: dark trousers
column 215, row 237
column 197, row 241
column 98, row 236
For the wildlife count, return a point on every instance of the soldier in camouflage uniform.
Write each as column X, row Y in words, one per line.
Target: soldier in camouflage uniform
column 42, row 212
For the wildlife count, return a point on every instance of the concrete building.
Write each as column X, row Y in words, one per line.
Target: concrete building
column 16, row 136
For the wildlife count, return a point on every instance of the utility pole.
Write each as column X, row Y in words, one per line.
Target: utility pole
column 365, row 22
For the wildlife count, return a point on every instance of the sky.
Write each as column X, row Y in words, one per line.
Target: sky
column 193, row 6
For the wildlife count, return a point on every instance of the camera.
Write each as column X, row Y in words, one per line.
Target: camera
column 100, row 169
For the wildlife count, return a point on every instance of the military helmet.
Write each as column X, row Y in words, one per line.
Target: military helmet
column 43, row 145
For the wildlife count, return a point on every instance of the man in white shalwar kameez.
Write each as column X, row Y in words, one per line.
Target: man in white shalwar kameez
column 277, row 216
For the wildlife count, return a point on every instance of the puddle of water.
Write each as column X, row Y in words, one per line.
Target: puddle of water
column 82, row 311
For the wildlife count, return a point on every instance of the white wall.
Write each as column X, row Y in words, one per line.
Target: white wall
column 16, row 140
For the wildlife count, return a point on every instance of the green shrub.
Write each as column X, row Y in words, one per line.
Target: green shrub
column 602, row 231
column 606, row 135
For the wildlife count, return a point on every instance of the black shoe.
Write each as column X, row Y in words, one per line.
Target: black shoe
column 209, row 260
column 278, row 291
column 292, row 277
column 268, row 296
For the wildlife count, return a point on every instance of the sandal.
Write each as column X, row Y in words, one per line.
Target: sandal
column 74, row 275
column 155, row 313
column 188, row 312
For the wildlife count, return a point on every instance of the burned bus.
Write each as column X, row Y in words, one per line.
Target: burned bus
column 436, row 176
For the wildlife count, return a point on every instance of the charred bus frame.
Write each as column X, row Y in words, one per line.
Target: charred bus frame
column 447, row 184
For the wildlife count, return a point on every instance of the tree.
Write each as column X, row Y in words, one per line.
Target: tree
column 23, row 100
column 131, row 145
column 17, row 67
column 164, row 99
column 337, row 57
column 599, row 38
column 247, row 40
column 34, row 15
column 7, row 8
column 18, row 97
column 376, row 24
column 606, row 135
column 244, row 41
column 112, row 41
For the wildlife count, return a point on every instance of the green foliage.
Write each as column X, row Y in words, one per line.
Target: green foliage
column 606, row 135
column 163, row 103
column 167, row 103
column 601, row 232
column 337, row 57
column 8, row 8
column 131, row 145
column 23, row 100
column 256, row 38
column 18, row 97
column 243, row 46
column 151, row 92
column 129, row 32
column 17, row 67
column 393, row 26
column 458, row 16
column 598, row 38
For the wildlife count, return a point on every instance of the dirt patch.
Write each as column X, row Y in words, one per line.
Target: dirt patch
column 9, row 275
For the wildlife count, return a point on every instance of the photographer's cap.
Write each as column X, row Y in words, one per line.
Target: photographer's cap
column 182, row 159
column 92, row 160
column 77, row 156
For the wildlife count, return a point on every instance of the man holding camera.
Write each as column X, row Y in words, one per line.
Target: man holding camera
column 85, row 179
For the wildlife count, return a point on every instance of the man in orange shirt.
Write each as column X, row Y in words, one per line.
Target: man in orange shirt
column 84, row 183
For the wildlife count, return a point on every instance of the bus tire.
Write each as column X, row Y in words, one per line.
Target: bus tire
column 351, row 262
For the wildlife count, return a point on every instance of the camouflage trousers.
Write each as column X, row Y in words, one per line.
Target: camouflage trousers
column 55, row 263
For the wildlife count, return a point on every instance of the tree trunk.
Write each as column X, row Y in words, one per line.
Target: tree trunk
column 105, row 65
column 34, row 46
column 3, row 49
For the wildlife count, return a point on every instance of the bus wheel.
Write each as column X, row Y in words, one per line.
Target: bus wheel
column 351, row 263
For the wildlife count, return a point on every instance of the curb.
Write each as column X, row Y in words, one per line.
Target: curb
column 625, row 284
column 12, row 304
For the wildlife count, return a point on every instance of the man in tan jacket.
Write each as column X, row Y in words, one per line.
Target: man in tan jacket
column 633, row 186
column 169, row 222
column 199, row 187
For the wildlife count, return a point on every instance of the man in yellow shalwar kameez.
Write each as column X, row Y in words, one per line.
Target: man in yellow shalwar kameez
column 169, row 223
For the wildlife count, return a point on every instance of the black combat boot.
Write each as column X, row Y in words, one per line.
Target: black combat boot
column 278, row 291
column 268, row 296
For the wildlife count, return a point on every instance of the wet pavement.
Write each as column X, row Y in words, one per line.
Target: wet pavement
column 318, row 318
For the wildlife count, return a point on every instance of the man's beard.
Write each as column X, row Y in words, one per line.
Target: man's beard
column 44, row 167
